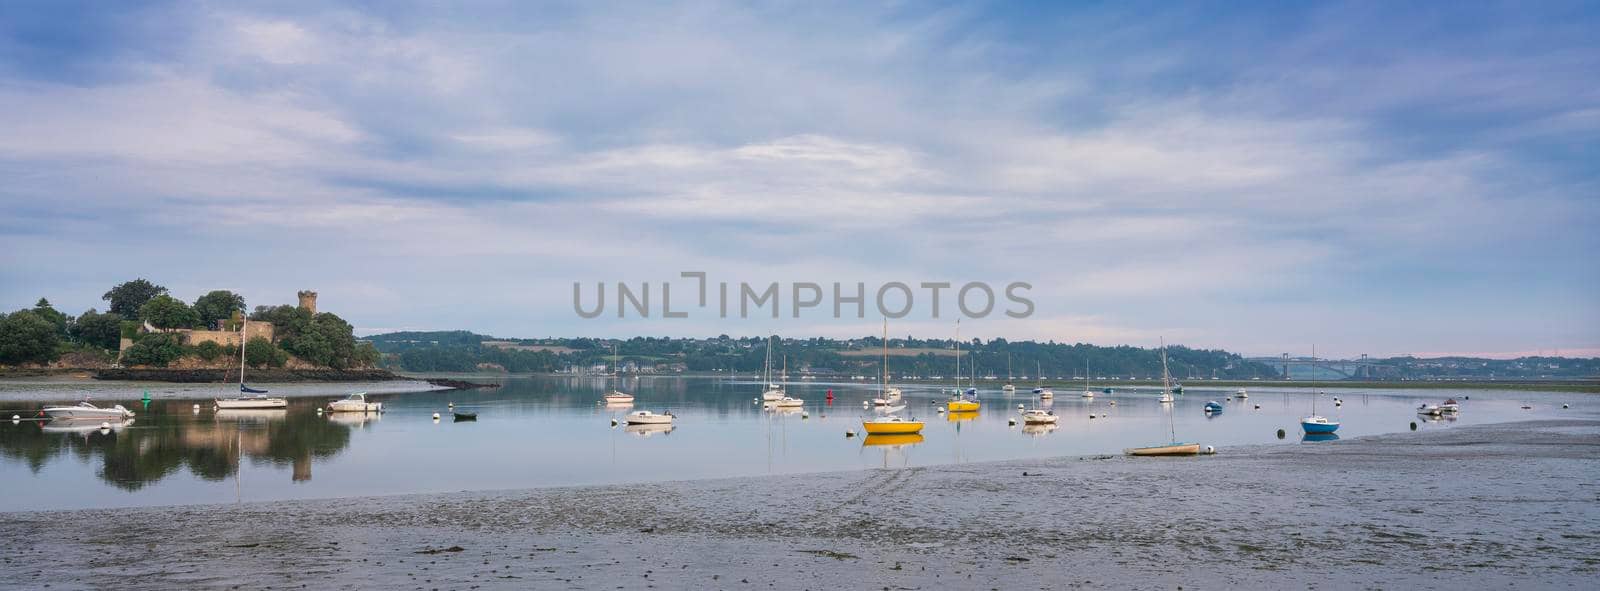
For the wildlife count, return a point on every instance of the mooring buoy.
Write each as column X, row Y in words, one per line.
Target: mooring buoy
column 1413, row 425
column 1282, row 434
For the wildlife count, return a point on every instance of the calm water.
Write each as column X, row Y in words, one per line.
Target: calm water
column 551, row 431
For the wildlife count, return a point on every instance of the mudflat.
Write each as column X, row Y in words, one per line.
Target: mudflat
column 1491, row 506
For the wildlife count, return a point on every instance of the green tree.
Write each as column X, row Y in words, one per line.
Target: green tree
column 260, row 352
column 127, row 298
column 218, row 306
column 49, row 313
column 324, row 339
column 98, row 330
column 209, row 350
column 164, row 311
column 366, row 355
column 156, row 349
column 27, row 337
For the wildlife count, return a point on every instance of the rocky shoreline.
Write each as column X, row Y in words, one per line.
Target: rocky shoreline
column 1492, row 506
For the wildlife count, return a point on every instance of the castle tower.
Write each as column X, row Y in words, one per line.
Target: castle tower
column 308, row 301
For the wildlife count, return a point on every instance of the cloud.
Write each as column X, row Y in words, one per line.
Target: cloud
column 1178, row 175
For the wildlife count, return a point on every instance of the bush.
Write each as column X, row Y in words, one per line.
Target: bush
column 98, row 330
column 260, row 352
column 164, row 311
column 154, row 349
column 209, row 350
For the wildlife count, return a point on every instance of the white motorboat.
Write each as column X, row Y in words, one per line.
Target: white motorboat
column 1429, row 409
column 85, row 410
column 254, row 403
column 1045, row 393
column 84, row 426
column 1241, row 394
column 645, row 417
column 787, row 402
column 356, row 402
column 1039, row 416
column 1450, row 405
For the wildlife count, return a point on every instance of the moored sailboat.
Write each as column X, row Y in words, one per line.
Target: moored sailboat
column 259, row 401
column 1175, row 448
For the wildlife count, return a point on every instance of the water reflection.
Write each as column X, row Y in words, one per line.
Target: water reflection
column 164, row 442
column 1316, row 437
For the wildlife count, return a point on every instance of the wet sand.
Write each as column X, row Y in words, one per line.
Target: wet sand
column 1495, row 506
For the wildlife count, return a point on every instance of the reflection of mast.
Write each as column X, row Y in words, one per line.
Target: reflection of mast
column 302, row 466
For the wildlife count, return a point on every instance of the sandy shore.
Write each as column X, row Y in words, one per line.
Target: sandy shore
column 1495, row 506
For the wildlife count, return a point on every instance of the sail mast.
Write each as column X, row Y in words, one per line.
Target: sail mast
column 1166, row 389
column 883, row 381
column 958, row 356
column 243, row 333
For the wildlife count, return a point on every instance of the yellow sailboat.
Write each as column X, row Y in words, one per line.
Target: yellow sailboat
column 889, row 424
column 962, row 402
column 1175, row 448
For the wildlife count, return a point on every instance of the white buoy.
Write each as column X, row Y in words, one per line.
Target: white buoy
column 1258, row 407
column 805, row 415
column 1562, row 406
column 1210, row 450
column 105, row 425
column 1113, row 403
column 941, row 410
column 1020, row 407
column 1091, row 415
column 1011, row 422
column 16, row 417
column 452, row 405
column 435, row 416
column 613, row 422
column 197, row 407
column 319, row 410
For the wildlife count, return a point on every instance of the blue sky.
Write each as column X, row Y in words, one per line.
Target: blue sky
column 1378, row 178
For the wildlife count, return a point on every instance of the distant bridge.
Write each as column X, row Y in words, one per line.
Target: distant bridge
column 1302, row 368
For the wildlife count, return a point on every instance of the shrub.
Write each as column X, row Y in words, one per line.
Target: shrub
column 209, row 350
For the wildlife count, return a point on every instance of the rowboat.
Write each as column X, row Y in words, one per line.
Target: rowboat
column 1169, row 449
column 465, row 416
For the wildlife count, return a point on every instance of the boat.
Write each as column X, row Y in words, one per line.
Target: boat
column 1175, row 448
column 645, row 417
column 260, row 400
column 356, row 402
column 84, row 426
column 1213, row 406
column 1039, row 416
column 887, row 395
column 891, row 425
column 1009, row 387
column 787, row 402
column 1450, row 405
column 1316, row 423
column 962, row 401
column 1241, row 394
column 465, row 416
column 1087, row 393
column 616, row 396
column 1042, row 391
column 1429, row 409
column 1177, row 388
column 774, row 392
column 86, row 410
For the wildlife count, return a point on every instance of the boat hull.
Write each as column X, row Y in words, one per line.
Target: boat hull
column 1315, row 428
column 961, row 406
column 251, row 403
column 895, row 428
column 342, row 406
column 1176, row 449
column 79, row 414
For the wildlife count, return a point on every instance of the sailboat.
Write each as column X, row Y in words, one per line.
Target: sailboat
column 1043, row 392
column 887, row 395
column 1175, row 448
column 961, row 402
column 1316, row 424
column 786, row 401
column 1009, row 387
column 616, row 396
column 254, row 402
column 890, row 424
column 774, row 392
column 1087, row 393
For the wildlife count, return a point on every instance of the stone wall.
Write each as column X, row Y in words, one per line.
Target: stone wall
column 226, row 338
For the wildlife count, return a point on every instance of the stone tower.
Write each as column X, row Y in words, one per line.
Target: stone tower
column 308, row 301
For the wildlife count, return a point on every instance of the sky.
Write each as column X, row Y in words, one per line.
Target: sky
column 1369, row 178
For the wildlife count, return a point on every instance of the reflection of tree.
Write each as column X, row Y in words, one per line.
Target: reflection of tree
column 160, row 443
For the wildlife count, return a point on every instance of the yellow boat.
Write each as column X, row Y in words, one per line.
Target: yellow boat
column 962, row 406
column 1173, row 449
column 893, row 439
column 891, row 425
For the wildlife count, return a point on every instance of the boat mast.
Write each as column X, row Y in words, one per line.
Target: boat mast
column 958, row 356
column 1166, row 389
column 243, row 332
column 883, row 381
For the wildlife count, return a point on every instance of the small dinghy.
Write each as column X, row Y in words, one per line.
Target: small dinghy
column 465, row 416
column 1213, row 406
